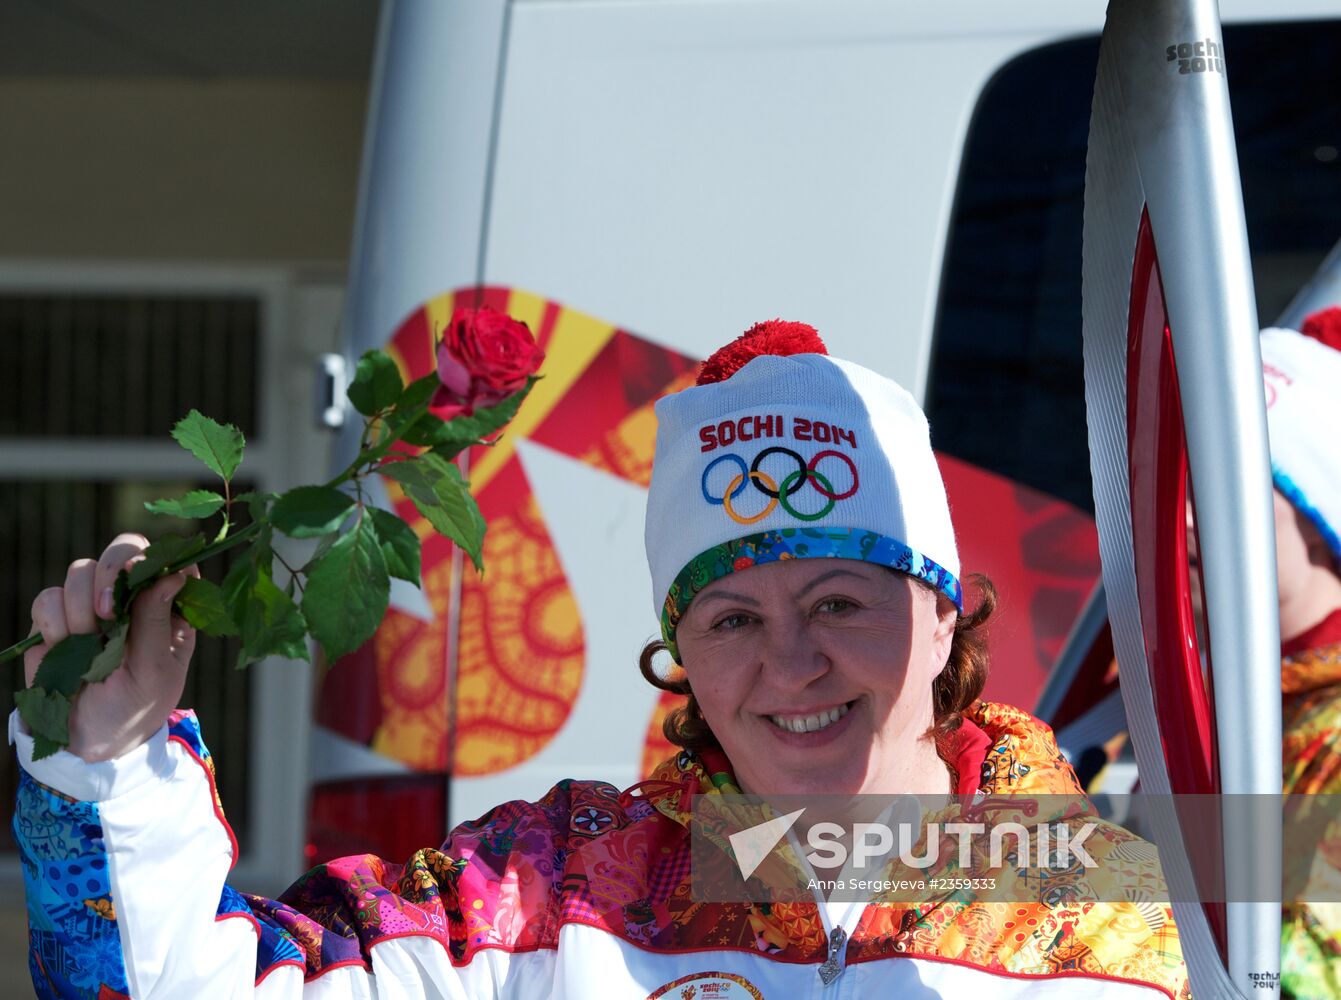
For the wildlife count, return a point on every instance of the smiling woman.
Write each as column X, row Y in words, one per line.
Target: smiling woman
column 808, row 587
column 828, row 652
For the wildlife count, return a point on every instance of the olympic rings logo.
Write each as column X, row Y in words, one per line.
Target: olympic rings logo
column 778, row 493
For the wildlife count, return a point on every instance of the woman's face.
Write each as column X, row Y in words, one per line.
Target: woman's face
column 816, row 674
column 1306, row 577
column 1308, row 589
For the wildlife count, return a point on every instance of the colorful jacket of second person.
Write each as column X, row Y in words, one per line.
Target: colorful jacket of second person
column 1311, row 723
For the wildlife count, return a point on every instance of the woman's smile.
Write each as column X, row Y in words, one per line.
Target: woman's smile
column 802, row 723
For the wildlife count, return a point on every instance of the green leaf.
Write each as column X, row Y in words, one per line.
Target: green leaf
column 109, row 657
column 400, row 545
column 377, row 383
column 323, row 547
column 310, row 511
column 238, row 580
column 217, row 445
column 418, row 393
column 451, row 449
column 238, row 591
column 462, row 432
column 257, row 501
column 168, row 551
column 63, row 668
column 43, row 747
column 202, row 604
column 196, row 504
column 437, row 490
column 416, row 477
column 411, row 406
column 347, row 592
column 273, row 625
column 428, row 431
column 48, row 716
column 121, row 596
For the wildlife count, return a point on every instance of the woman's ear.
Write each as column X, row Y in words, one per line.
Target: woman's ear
column 947, row 616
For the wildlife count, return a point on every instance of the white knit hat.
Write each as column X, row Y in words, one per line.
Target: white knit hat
column 1303, row 380
column 804, row 456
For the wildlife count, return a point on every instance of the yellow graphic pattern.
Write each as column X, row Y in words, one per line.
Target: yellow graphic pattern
column 412, row 682
column 522, row 648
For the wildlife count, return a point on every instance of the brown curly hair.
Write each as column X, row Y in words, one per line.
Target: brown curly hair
column 957, row 687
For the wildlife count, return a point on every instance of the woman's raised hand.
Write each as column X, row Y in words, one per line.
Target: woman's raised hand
column 115, row 716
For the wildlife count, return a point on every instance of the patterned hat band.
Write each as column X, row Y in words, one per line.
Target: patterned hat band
column 829, row 542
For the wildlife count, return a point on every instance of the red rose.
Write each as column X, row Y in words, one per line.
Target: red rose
column 483, row 358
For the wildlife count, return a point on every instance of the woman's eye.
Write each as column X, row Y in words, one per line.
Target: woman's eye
column 834, row 605
column 731, row 622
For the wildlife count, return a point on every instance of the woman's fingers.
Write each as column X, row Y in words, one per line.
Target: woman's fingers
column 32, row 659
column 183, row 633
column 154, row 630
column 49, row 621
column 80, row 616
column 49, row 615
column 124, row 548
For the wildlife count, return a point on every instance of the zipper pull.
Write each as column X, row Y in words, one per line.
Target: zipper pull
column 834, row 964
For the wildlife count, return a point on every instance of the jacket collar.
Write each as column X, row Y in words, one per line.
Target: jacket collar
column 1011, row 751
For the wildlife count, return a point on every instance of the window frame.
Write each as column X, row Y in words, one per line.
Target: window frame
column 296, row 313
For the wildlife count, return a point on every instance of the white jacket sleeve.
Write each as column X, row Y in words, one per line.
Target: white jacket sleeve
column 125, row 864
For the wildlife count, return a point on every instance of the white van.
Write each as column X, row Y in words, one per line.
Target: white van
column 641, row 180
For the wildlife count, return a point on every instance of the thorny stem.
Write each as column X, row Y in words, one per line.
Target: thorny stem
column 223, row 545
column 227, row 510
column 292, row 572
column 19, row 648
column 372, row 458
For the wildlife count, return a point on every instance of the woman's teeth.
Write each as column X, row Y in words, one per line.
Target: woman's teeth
column 809, row 723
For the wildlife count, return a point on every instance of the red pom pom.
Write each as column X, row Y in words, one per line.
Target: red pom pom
column 774, row 336
column 1324, row 325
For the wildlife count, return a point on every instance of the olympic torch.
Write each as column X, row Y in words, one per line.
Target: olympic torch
column 1174, row 398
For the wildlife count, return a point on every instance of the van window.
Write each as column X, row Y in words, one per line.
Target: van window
column 1006, row 390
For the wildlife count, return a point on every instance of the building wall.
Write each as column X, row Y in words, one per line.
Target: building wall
column 170, row 169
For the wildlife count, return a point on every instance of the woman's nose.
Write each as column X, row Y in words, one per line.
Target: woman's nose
column 793, row 658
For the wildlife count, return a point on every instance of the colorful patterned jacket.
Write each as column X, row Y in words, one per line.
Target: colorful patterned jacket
column 582, row 894
column 1311, row 722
